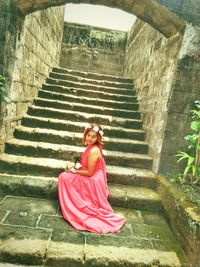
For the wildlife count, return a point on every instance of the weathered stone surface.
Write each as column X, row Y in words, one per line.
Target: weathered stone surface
column 64, row 152
column 153, row 74
column 187, row 10
column 52, row 167
column 3, row 214
column 92, row 75
column 87, row 99
column 30, row 55
column 129, row 196
column 66, row 137
column 63, row 125
column 117, row 256
column 42, row 102
column 150, row 11
column 183, row 217
column 93, row 49
column 125, row 89
column 26, row 211
column 122, row 195
column 62, row 253
column 89, row 93
column 185, row 92
column 83, row 116
column 97, row 79
column 54, row 242
column 23, row 245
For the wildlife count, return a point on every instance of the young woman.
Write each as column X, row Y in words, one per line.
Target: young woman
column 83, row 192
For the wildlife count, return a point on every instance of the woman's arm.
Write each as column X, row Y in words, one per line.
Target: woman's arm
column 93, row 157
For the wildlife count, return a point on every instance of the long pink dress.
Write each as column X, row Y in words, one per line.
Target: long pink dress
column 83, row 199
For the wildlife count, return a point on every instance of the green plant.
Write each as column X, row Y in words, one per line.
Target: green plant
column 197, row 201
column 192, row 158
column 175, row 176
column 3, row 91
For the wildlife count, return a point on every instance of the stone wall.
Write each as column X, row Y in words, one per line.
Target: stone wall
column 93, row 49
column 183, row 217
column 36, row 51
column 6, row 30
column 151, row 60
column 186, row 89
column 187, row 10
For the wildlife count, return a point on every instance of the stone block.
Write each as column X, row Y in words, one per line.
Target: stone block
column 16, row 91
column 113, row 240
column 21, row 109
column 154, row 219
column 180, row 102
column 32, row 35
column 133, row 216
column 56, row 222
column 96, row 49
column 190, row 8
column 23, row 245
column 3, row 213
column 35, row 187
column 25, row 211
column 62, row 253
column 10, row 185
column 11, row 109
column 183, row 217
column 178, row 122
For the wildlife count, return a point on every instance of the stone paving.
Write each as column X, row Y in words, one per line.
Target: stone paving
column 34, row 232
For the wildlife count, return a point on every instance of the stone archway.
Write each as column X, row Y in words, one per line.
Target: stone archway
column 158, row 16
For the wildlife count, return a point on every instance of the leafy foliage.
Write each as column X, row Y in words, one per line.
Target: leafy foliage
column 192, row 191
column 3, row 91
column 192, row 159
column 77, row 159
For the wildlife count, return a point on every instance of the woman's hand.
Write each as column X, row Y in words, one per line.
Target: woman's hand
column 77, row 165
column 69, row 166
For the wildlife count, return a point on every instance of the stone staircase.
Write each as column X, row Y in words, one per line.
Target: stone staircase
column 34, row 231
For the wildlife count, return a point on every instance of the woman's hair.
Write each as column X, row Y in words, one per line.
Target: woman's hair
column 98, row 130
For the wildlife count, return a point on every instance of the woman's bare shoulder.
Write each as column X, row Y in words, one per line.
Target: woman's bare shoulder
column 95, row 150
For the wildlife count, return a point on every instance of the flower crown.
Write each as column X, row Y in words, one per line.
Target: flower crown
column 95, row 128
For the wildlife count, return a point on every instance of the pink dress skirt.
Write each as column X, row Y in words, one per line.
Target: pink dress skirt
column 84, row 200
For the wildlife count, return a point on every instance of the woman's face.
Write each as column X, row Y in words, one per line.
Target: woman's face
column 91, row 137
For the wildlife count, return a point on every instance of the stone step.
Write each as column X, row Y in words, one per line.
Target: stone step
column 121, row 195
column 88, row 100
column 68, row 152
column 75, row 127
column 128, row 90
column 68, row 137
column 23, row 165
column 42, row 237
column 88, row 93
column 107, row 83
column 57, row 104
column 84, row 117
column 90, row 75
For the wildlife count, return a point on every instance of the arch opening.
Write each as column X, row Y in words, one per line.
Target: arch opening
column 158, row 16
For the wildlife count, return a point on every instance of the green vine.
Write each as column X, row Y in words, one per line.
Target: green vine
column 3, row 91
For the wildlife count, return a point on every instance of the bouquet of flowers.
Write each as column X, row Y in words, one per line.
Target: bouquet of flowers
column 75, row 165
column 77, row 162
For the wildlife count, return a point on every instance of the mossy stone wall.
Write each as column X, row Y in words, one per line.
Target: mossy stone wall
column 93, row 49
column 31, row 49
column 151, row 60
